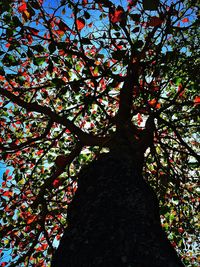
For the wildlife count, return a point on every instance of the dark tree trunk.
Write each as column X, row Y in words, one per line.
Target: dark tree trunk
column 114, row 219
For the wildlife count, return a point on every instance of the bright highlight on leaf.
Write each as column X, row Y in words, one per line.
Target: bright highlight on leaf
column 80, row 22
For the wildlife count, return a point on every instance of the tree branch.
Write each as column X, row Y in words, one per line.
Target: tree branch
column 183, row 143
column 85, row 138
column 48, row 182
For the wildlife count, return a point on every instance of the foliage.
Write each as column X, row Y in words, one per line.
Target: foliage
column 71, row 73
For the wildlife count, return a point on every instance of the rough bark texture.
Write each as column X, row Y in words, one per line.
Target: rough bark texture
column 114, row 219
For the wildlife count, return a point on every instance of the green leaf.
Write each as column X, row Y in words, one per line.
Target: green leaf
column 10, row 60
column 150, row 5
column 39, row 60
column 17, row 22
column 2, row 72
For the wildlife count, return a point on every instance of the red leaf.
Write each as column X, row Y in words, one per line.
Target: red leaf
column 42, row 247
column 117, row 16
column 22, row 8
column 7, row 194
column 33, row 31
column 29, row 38
column 155, row 21
column 185, row 20
column 197, row 100
column 180, row 90
column 3, row 264
column 139, row 119
column 63, row 27
column 56, row 183
column 84, row 2
column 80, row 24
column 7, row 172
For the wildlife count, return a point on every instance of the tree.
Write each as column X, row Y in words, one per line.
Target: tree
column 112, row 86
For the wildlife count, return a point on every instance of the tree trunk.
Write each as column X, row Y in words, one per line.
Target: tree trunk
column 114, row 219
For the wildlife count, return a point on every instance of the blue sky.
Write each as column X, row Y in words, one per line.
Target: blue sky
column 7, row 253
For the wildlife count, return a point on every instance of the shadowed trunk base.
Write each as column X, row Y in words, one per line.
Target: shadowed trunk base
column 114, row 220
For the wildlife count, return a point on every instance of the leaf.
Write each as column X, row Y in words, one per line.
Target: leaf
column 30, row 219
column 38, row 48
column 86, row 15
column 7, row 172
column 39, row 60
column 119, row 54
column 153, row 103
column 80, row 23
column 33, row 30
column 84, row 2
column 117, row 15
column 52, row 48
column 10, row 60
column 155, row 21
column 58, row 82
column 197, row 100
column 7, row 194
column 63, row 27
column 22, row 8
column 150, row 4
column 185, row 20
column 139, row 118
column 56, row 183
column 42, row 247
column 138, row 44
column 135, row 17
column 86, row 41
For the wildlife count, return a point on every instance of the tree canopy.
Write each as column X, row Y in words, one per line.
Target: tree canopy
column 71, row 74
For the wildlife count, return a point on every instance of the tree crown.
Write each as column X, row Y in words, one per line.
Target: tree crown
column 75, row 73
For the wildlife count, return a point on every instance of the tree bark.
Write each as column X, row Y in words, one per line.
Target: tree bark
column 114, row 219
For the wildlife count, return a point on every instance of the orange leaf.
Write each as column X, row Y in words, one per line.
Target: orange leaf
column 22, row 8
column 7, row 194
column 80, row 24
column 155, row 21
column 42, row 247
column 152, row 102
column 30, row 219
